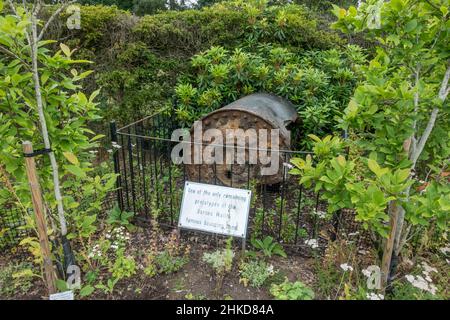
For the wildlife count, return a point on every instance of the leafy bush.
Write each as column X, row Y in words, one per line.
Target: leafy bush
column 255, row 273
column 318, row 83
column 67, row 112
column 123, row 4
column 169, row 264
column 142, row 7
column 124, row 266
column 396, row 119
column 291, row 291
column 268, row 247
column 221, row 260
column 118, row 217
column 15, row 279
column 138, row 59
column 170, row 259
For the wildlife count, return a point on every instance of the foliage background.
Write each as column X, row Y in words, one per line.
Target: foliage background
column 138, row 60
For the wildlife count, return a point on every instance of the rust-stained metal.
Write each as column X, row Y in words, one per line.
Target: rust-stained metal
column 257, row 111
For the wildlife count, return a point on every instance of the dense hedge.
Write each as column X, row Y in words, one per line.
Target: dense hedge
column 139, row 59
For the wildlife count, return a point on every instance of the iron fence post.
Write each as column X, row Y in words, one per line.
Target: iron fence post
column 114, row 140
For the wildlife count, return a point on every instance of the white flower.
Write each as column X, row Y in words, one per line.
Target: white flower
column 374, row 296
column 433, row 289
column 408, row 261
column 270, row 269
column 428, row 269
column 366, row 272
column 116, row 145
column 288, row 165
column 109, row 150
column 346, row 267
column 312, row 243
column 421, row 283
column 318, row 213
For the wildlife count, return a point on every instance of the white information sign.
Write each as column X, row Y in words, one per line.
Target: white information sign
column 67, row 295
column 215, row 209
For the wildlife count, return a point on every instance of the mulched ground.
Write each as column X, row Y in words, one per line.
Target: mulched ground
column 195, row 280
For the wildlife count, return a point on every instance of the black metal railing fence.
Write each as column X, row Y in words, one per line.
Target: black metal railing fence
column 151, row 185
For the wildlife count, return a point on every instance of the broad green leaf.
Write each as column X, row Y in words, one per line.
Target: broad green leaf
column 341, row 161
column 76, row 170
column 86, row 291
column 373, row 166
column 61, row 285
column 94, row 95
column 444, row 203
column 97, row 137
column 72, row 158
column 84, row 75
column 411, row 25
column 314, row 137
column 402, row 175
column 65, row 49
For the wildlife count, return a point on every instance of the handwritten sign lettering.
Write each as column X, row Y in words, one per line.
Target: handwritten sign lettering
column 215, row 209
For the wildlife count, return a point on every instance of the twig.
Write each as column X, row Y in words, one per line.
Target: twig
column 50, row 20
column 12, row 54
column 443, row 92
column 13, row 8
column 432, row 4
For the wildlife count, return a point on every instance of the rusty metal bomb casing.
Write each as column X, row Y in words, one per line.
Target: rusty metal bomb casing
column 257, row 111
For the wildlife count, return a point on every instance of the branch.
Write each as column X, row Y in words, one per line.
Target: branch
column 12, row 54
column 432, row 5
column 413, row 142
column 444, row 87
column 54, row 15
column 36, row 7
column 443, row 92
column 13, row 8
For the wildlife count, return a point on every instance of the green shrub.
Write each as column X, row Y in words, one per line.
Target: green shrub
column 15, row 279
column 168, row 264
column 255, row 273
column 318, row 83
column 139, row 59
column 291, row 291
column 220, row 260
column 124, row 266
column 268, row 247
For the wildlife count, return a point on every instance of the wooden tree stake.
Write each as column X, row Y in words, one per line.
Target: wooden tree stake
column 389, row 245
column 36, row 197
